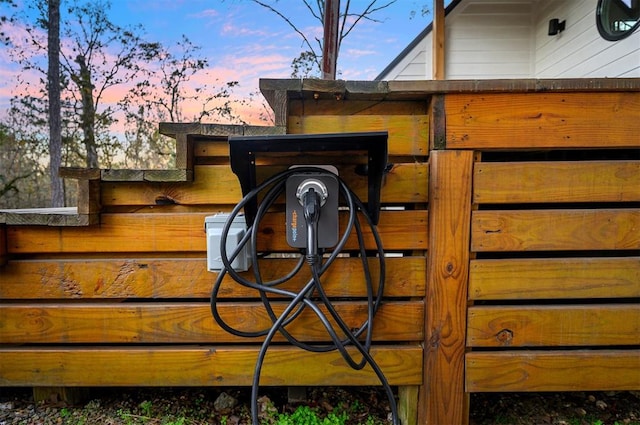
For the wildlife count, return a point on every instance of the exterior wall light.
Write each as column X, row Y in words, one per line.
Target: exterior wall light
column 556, row 26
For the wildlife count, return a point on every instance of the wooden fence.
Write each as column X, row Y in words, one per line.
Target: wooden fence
column 512, row 210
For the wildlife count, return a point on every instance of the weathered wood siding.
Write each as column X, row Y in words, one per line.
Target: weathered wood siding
column 511, row 210
column 555, row 237
column 125, row 302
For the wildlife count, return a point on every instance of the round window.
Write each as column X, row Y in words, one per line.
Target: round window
column 617, row 19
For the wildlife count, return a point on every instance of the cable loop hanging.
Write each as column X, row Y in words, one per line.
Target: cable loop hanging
column 312, row 296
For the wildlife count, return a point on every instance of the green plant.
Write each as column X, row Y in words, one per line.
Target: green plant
column 305, row 415
column 125, row 415
column 146, row 406
column 178, row 421
column 370, row 420
column 357, row 407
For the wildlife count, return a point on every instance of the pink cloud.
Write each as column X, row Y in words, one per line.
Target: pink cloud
column 356, row 53
column 231, row 30
column 206, row 14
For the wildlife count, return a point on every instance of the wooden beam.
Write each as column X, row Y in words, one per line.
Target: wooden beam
column 182, row 232
column 200, row 366
column 556, row 230
column 554, row 278
column 447, row 273
column 438, row 35
column 188, row 278
column 556, row 181
column 567, row 370
column 553, row 325
column 542, row 120
column 182, row 322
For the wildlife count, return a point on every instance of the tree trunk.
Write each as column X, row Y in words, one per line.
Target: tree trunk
column 88, row 115
column 55, row 126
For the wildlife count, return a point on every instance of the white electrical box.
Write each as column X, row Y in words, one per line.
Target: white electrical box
column 213, row 226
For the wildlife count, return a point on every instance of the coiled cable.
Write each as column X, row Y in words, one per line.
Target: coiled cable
column 312, row 295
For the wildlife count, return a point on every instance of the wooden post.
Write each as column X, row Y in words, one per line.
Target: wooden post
column 445, row 401
column 438, row 69
column 330, row 43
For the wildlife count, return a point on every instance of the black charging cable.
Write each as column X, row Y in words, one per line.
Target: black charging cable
column 312, row 295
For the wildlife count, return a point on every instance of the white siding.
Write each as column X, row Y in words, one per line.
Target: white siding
column 508, row 39
column 489, row 39
column 416, row 65
column 580, row 51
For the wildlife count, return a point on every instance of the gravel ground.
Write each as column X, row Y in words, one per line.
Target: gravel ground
column 195, row 406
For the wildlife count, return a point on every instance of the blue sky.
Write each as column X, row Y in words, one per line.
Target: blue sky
column 230, row 30
column 245, row 42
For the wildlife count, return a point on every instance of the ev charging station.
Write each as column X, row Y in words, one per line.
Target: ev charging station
column 317, row 200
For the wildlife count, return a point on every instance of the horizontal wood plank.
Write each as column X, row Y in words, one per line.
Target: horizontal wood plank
column 554, row 278
column 68, row 216
column 188, row 278
column 556, row 181
column 542, row 120
column 200, row 366
column 127, row 175
column 574, row 370
column 551, row 230
column 217, row 184
column 357, row 107
column 191, row 322
column 213, row 184
column 408, row 134
column 3, row 244
column 553, row 325
column 184, row 232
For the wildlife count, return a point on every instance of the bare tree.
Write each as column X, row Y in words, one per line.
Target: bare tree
column 102, row 55
column 97, row 55
column 309, row 62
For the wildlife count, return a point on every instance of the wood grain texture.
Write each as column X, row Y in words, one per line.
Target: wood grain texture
column 408, row 404
column 418, row 89
column 554, row 278
column 553, row 325
column 183, row 232
column 553, row 230
column 199, row 366
column 542, row 120
column 58, row 323
column 88, row 197
column 54, row 217
column 3, row 244
column 448, row 259
column 188, row 278
column 556, row 181
column 126, row 175
column 217, row 184
column 408, row 134
column 562, row 370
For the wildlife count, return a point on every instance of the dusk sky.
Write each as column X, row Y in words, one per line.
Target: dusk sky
column 243, row 41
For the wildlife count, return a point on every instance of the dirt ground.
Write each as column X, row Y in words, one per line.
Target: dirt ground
column 181, row 406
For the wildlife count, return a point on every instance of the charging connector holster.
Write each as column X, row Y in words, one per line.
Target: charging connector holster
column 296, row 224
